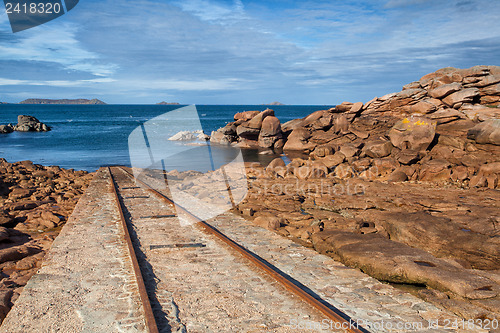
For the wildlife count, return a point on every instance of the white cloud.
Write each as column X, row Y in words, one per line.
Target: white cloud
column 53, row 83
column 214, row 11
column 54, row 44
column 182, row 85
column 228, row 52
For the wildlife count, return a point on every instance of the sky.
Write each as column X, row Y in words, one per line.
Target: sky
column 244, row 52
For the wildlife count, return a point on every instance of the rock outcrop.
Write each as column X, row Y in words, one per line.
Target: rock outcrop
column 442, row 128
column 30, row 124
column 251, row 129
column 25, row 124
column 404, row 187
column 35, row 201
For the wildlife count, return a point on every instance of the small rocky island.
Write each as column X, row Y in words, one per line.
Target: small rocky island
column 25, row 124
column 274, row 103
column 78, row 101
column 167, row 103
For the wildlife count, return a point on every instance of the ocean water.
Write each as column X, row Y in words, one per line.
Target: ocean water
column 86, row 137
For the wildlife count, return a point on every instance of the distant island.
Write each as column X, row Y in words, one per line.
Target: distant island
column 166, row 103
column 274, row 103
column 94, row 101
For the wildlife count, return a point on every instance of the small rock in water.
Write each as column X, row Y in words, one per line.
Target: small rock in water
column 30, row 124
column 189, row 135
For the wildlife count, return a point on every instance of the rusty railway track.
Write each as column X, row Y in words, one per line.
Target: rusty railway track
column 326, row 309
column 146, row 304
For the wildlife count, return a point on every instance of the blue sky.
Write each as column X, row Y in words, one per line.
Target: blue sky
column 244, row 52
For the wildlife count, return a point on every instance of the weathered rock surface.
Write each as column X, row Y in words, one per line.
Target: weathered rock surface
column 251, row 129
column 415, row 133
column 486, row 132
column 298, row 140
column 35, row 202
column 404, row 187
column 378, row 148
column 29, row 124
column 403, row 232
column 392, row 261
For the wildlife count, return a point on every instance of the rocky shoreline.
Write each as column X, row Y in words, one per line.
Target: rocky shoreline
column 35, row 203
column 404, row 187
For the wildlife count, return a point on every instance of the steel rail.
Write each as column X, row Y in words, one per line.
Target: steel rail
column 146, row 304
column 332, row 313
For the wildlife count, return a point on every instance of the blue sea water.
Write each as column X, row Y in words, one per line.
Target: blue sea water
column 86, row 137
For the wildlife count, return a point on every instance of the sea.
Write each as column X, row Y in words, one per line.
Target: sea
column 86, row 137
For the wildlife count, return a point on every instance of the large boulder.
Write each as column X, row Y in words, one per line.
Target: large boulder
column 256, row 121
column 407, row 156
column 270, row 132
column 341, row 124
column 30, row 124
column 426, row 106
column 229, row 129
column 378, row 148
column 290, row 125
column 491, row 90
column 331, row 161
column 245, row 131
column 442, row 237
column 313, row 117
column 298, row 140
column 445, row 90
column 415, row 133
column 315, row 169
column 440, row 77
column 447, row 115
column 356, row 107
column 220, row 138
column 486, row 132
column 488, row 175
column 435, row 171
column 277, row 167
column 269, row 222
column 268, row 141
column 245, row 115
column 393, row 261
column 270, row 126
column 463, row 96
column 322, row 151
column 480, row 112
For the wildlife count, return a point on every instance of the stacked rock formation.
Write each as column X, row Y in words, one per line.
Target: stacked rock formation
column 25, row 124
column 444, row 127
column 251, row 129
column 404, row 187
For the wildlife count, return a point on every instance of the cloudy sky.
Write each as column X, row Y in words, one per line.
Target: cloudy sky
column 244, row 52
